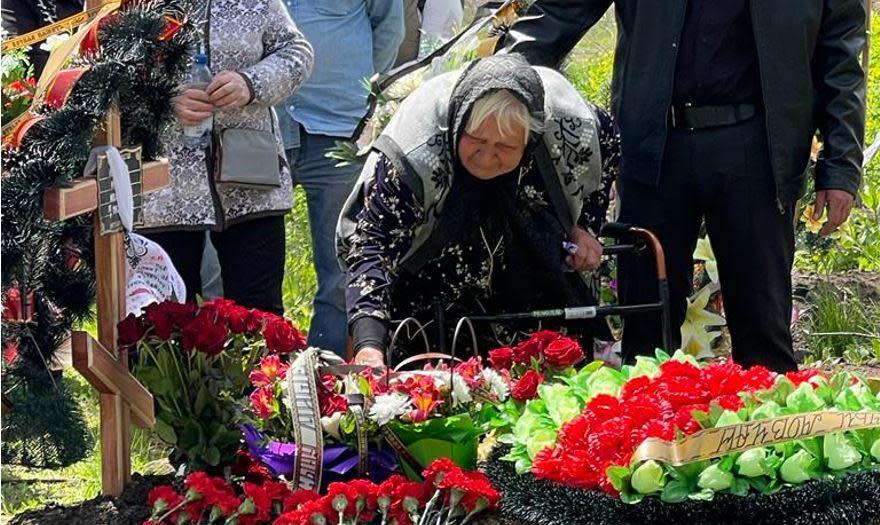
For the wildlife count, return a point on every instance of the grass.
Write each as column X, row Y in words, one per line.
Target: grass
column 842, row 324
column 25, row 488
column 300, row 281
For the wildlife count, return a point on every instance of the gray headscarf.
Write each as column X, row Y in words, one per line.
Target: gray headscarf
column 421, row 143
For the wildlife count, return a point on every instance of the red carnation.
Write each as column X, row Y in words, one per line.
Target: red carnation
column 130, row 330
column 205, row 334
column 262, row 501
column 501, row 358
column 162, row 498
column 563, row 352
column 800, row 376
column 297, row 498
column 527, row 386
column 282, row 337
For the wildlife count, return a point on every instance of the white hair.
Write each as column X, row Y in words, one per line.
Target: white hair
column 508, row 111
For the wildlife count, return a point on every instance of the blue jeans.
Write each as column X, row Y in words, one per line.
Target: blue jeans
column 327, row 187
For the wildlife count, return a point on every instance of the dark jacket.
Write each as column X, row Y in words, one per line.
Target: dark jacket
column 811, row 78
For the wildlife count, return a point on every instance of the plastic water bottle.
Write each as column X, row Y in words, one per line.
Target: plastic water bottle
column 199, row 136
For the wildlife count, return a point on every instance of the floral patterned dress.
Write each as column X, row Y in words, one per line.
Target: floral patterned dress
column 487, row 268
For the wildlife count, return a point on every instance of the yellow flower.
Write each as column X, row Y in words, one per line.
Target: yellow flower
column 704, row 253
column 807, row 218
column 696, row 337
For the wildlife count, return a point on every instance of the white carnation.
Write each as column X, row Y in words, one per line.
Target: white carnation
column 497, row 384
column 461, row 394
column 388, row 406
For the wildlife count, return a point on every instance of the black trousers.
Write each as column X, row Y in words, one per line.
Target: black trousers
column 723, row 176
column 251, row 256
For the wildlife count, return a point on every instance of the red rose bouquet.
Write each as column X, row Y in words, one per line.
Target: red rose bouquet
column 195, row 359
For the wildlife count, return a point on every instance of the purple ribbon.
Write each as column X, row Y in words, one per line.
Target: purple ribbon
column 340, row 461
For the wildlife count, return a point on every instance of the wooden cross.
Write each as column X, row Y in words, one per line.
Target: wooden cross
column 122, row 398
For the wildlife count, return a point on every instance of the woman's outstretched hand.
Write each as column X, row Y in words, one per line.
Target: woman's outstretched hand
column 589, row 251
column 369, row 356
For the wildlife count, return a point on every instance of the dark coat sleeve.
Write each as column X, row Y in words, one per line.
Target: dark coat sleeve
column 383, row 236
column 596, row 203
column 841, row 86
column 551, row 28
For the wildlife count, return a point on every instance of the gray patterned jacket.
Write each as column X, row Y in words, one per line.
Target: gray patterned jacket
column 257, row 39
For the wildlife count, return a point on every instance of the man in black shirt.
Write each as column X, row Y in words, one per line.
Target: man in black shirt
column 718, row 102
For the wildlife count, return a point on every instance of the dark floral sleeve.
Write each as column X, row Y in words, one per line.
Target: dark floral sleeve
column 596, row 203
column 384, row 234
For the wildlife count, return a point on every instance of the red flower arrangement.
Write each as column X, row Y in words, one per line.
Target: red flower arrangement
column 197, row 360
column 448, row 495
column 610, row 428
column 544, row 353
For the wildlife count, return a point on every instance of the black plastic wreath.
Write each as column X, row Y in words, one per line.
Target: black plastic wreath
column 49, row 265
column 853, row 499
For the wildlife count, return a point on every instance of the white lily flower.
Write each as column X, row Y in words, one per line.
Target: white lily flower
column 696, row 337
column 704, row 253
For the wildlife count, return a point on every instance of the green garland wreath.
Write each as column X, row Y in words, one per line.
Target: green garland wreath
column 53, row 261
column 526, row 500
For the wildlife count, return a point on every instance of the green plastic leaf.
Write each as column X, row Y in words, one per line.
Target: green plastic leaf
column 619, row 477
column 804, row 399
column 645, row 366
column 798, row 468
column 540, row 439
column 839, row 452
column 661, row 356
column 675, row 491
column 714, row 478
column 727, row 418
column 751, row 463
column 605, row 381
column 875, row 450
column 562, row 405
column 648, row 478
column 767, row 410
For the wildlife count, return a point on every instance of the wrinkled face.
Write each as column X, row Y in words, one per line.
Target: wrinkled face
column 487, row 154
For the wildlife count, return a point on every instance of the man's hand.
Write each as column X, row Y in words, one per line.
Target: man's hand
column 839, row 204
column 192, row 107
column 589, row 251
column 370, row 356
column 228, row 90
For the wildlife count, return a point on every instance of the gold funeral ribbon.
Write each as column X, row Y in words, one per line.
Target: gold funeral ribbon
column 60, row 54
column 717, row 442
column 40, row 34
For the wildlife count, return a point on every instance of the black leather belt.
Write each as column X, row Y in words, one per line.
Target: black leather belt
column 690, row 117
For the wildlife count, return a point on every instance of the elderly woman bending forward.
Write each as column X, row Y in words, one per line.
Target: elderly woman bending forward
column 473, row 199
